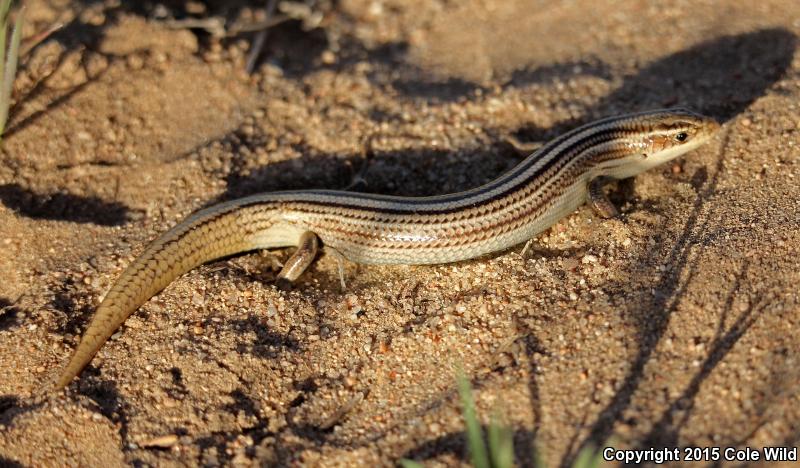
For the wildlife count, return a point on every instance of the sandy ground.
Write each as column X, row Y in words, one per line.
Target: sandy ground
column 673, row 325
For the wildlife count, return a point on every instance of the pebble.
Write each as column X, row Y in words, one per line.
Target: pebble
column 570, row 264
column 164, row 441
column 588, row 258
column 328, row 57
column 197, row 299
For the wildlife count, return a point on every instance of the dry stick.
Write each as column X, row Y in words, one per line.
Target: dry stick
column 261, row 37
column 29, row 44
column 216, row 26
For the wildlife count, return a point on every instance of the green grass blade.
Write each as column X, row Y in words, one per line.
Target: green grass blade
column 3, row 34
column 406, row 463
column 5, row 5
column 10, row 70
column 538, row 459
column 501, row 444
column 477, row 449
column 588, row 457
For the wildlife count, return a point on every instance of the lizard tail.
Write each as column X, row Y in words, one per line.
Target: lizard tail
column 208, row 235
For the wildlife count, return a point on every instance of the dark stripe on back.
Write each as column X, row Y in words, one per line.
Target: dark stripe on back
column 417, row 205
column 420, row 202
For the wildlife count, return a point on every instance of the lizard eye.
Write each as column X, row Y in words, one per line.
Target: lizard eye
column 682, row 136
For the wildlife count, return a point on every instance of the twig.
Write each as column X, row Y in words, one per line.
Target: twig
column 30, row 43
column 216, row 25
column 261, row 37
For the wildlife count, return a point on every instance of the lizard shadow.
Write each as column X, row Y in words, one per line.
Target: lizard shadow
column 414, row 171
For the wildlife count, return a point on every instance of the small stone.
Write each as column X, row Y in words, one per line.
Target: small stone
column 164, row 441
column 588, row 258
column 328, row 57
column 195, row 8
column 240, row 459
column 135, row 62
column 570, row 264
column 197, row 299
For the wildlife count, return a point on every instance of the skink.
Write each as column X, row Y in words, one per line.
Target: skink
column 380, row 229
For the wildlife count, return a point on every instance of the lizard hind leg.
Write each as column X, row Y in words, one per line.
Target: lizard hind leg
column 299, row 261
